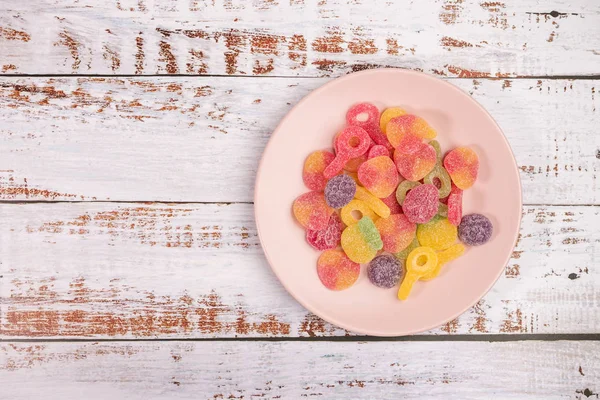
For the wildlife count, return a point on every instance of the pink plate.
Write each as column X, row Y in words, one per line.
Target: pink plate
column 459, row 121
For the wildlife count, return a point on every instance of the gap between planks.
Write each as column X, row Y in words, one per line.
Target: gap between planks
column 352, row 339
column 451, row 78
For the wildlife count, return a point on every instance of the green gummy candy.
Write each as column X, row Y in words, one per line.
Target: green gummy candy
column 439, row 172
column 443, row 210
column 370, row 233
column 403, row 188
column 438, row 149
column 403, row 255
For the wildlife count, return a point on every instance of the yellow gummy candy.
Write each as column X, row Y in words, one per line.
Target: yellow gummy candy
column 444, row 257
column 375, row 203
column 439, row 233
column 355, row 245
column 403, row 255
column 388, row 114
column 356, row 205
column 420, row 262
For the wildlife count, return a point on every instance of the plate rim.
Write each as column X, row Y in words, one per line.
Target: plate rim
column 339, row 80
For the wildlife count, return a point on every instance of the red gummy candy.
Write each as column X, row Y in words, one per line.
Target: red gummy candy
column 377, row 136
column 414, row 166
column 352, row 142
column 366, row 116
column 421, row 203
column 392, row 203
column 328, row 238
column 362, row 114
column 315, row 164
column 378, row 150
column 455, row 206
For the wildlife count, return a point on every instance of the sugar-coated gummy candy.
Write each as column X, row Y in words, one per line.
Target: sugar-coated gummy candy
column 475, row 229
column 403, row 188
column 356, row 205
column 406, row 132
column 421, row 204
column 370, row 233
column 379, row 176
column 392, row 204
column 396, row 231
column 420, row 262
column 439, row 233
column 385, row 271
column 328, row 238
column 339, row 191
column 403, row 255
column 378, row 150
column 442, row 210
column 336, row 271
column 351, row 143
column 311, row 210
column 373, row 202
column 353, row 164
column 455, row 206
column 361, row 241
column 462, row 164
column 362, row 114
column 416, row 165
column 444, row 257
column 438, row 173
column 387, row 115
column 377, row 136
column 438, row 149
column 366, row 116
column 315, row 164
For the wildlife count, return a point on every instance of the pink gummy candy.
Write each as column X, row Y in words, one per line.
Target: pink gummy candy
column 315, row 164
column 396, row 231
column 462, row 165
column 392, row 203
column 352, row 142
column 328, row 238
column 336, row 271
column 362, row 114
column 311, row 210
column 379, row 176
column 366, row 115
column 406, row 132
column 378, row 150
column 421, row 203
column 455, row 205
column 414, row 166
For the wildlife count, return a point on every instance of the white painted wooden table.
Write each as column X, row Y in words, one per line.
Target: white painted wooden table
column 130, row 132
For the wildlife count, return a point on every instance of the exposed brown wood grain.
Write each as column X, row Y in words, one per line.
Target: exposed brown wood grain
column 175, row 127
column 192, row 270
column 452, row 38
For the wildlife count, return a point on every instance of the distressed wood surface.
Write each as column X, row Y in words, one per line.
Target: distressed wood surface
column 105, row 270
column 163, row 139
column 463, row 38
column 295, row 370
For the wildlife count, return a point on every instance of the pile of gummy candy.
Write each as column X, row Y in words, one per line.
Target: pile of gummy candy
column 390, row 198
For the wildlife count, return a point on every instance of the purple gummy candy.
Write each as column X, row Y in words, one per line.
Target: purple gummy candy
column 384, row 271
column 340, row 190
column 475, row 229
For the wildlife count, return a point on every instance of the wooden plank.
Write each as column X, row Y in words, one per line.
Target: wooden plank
column 293, row 370
column 103, row 270
column 300, row 37
column 154, row 139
